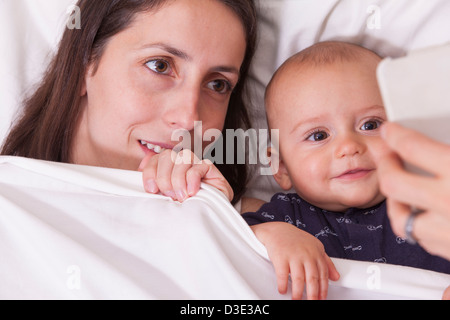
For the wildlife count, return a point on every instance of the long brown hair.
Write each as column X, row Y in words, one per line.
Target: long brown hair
column 46, row 127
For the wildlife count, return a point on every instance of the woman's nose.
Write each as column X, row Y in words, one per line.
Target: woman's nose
column 183, row 108
column 349, row 145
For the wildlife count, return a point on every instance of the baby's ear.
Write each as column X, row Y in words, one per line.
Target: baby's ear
column 279, row 170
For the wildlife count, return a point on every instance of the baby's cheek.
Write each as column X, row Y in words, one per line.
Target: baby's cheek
column 311, row 179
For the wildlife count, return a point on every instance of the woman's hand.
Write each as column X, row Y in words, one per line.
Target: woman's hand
column 179, row 175
column 296, row 252
column 406, row 190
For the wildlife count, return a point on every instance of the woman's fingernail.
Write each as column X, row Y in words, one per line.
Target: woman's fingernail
column 181, row 195
column 171, row 194
column 151, row 186
column 190, row 190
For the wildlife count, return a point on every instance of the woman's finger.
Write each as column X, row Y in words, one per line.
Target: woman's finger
column 206, row 171
column 183, row 162
column 416, row 148
column 398, row 214
column 149, row 167
column 166, row 163
column 404, row 186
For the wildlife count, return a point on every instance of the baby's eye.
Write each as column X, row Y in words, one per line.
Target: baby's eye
column 220, row 86
column 371, row 125
column 318, row 136
column 159, row 66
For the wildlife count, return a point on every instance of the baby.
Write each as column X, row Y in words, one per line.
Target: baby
column 326, row 104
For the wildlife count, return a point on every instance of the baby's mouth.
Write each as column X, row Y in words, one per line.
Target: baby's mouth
column 155, row 148
column 354, row 174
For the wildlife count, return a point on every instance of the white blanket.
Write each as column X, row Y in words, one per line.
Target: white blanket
column 76, row 232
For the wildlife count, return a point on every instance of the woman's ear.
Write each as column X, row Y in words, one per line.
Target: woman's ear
column 279, row 170
column 88, row 73
column 83, row 90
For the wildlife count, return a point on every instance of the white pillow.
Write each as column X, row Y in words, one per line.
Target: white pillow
column 29, row 31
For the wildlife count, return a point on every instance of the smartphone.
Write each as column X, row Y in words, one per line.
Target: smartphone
column 416, row 91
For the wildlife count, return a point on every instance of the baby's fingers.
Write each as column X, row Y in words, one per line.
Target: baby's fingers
column 333, row 274
column 282, row 273
column 326, row 271
column 298, row 282
column 316, row 281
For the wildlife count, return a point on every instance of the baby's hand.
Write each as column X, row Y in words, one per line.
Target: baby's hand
column 179, row 175
column 296, row 252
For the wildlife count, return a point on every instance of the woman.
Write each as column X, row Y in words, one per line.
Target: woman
column 134, row 73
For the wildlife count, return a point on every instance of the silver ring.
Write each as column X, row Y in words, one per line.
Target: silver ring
column 409, row 226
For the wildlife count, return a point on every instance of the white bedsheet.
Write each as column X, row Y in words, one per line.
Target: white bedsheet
column 76, row 232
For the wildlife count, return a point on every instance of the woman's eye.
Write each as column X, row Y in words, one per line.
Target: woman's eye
column 158, row 66
column 318, row 136
column 370, row 125
column 220, row 86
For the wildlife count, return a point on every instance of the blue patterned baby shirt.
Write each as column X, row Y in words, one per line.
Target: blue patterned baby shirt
column 357, row 234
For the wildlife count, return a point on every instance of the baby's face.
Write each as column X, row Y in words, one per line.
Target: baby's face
column 329, row 119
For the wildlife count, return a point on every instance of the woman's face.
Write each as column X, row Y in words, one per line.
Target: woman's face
column 170, row 68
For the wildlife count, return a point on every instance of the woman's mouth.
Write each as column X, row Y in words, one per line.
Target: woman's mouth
column 152, row 147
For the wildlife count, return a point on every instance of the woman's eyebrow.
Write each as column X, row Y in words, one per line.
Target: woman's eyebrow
column 172, row 50
column 226, row 69
column 182, row 55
